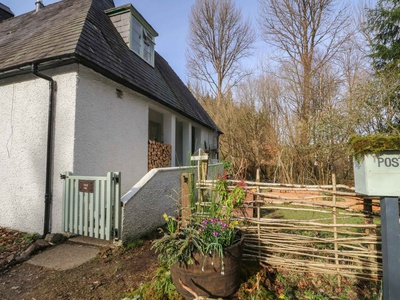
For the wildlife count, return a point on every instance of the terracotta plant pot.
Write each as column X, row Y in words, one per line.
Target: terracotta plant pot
column 210, row 282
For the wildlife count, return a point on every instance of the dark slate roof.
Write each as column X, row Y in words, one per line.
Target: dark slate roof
column 5, row 12
column 79, row 29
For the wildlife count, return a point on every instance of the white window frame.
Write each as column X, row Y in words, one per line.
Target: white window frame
column 145, row 38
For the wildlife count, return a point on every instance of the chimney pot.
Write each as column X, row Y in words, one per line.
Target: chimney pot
column 39, row 4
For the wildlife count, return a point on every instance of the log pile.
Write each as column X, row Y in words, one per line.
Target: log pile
column 159, row 155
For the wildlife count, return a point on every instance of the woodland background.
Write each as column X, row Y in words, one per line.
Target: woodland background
column 332, row 71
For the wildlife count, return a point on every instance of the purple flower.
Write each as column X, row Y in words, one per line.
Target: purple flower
column 215, row 233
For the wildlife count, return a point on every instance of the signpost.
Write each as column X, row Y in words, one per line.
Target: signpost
column 379, row 175
column 202, row 169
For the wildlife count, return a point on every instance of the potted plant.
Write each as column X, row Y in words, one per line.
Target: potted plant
column 204, row 255
column 376, row 164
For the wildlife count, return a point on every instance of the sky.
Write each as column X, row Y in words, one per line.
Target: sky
column 170, row 18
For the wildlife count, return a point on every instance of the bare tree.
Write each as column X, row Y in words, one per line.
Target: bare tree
column 218, row 39
column 308, row 34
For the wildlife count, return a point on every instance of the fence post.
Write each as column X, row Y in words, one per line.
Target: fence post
column 335, row 235
column 117, row 205
column 186, row 193
column 67, row 212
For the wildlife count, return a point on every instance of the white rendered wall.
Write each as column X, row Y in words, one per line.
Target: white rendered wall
column 64, row 137
column 23, row 134
column 158, row 192
column 111, row 132
column 95, row 132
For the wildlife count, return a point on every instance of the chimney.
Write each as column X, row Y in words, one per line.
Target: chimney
column 39, row 4
column 5, row 12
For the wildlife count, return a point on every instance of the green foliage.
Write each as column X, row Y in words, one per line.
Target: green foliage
column 373, row 144
column 383, row 24
column 29, row 238
column 160, row 288
column 206, row 233
column 215, row 231
column 172, row 223
column 177, row 247
column 26, row 238
column 297, row 285
column 133, row 244
column 227, row 166
column 228, row 200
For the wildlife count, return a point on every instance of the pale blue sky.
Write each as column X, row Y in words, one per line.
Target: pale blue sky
column 168, row 17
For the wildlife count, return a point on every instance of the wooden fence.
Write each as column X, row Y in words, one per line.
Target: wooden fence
column 322, row 229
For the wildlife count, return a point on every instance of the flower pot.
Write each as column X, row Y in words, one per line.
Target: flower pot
column 208, row 281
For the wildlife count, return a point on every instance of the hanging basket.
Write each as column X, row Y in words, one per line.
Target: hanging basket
column 207, row 277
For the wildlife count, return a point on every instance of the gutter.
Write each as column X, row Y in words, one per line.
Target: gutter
column 48, row 198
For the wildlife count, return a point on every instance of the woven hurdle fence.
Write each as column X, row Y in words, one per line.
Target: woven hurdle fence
column 317, row 229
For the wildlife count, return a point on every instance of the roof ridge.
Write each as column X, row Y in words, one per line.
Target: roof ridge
column 84, row 22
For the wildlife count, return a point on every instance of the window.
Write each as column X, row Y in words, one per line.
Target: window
column 137, row 33
column 156, row 121
column 142, row 42
column 155, row 132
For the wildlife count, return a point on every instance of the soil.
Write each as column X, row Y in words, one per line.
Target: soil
column 111, row 275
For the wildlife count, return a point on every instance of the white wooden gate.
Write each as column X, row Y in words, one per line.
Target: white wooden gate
column 92, row 205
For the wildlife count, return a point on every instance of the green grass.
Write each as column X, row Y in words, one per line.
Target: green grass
column 322, row 217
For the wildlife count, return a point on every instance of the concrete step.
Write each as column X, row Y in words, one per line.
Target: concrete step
column 85, row 240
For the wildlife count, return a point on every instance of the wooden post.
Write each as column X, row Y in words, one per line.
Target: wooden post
column 259, row 229
column 335, row 235
column 368, row 220
column 186, row 193
column 202, row 169
column 368, row 213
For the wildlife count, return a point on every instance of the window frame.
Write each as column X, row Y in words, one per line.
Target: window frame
column 145, row 39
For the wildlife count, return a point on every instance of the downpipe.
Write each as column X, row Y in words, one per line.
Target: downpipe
column 48, row 197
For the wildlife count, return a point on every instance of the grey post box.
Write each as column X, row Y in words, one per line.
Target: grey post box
column 378, row 175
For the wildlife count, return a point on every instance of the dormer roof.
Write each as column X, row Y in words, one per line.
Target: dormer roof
column 128, row 7
column 79, row 31
column 5, row 12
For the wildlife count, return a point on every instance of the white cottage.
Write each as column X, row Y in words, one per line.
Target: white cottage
column 82, row 89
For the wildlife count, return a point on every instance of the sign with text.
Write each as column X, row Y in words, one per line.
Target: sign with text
column 86, row 186
column 378, row 175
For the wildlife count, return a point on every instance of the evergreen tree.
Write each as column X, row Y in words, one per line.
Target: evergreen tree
column 383, row 26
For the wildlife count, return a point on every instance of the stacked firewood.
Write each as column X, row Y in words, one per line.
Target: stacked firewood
column 159, row 155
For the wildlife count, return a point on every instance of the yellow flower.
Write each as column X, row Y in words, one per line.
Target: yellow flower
column 165, row 217
column 281, row 296
column 236, row 222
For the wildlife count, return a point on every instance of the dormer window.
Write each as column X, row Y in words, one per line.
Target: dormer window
column 134, row 29
column 142, row 42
